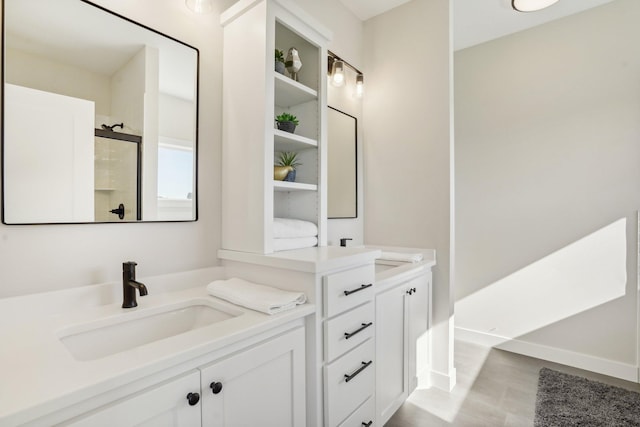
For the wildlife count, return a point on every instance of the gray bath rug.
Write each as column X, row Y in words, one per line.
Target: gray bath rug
column 567, row 400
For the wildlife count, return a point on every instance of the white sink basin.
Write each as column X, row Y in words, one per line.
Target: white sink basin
column 125, row 331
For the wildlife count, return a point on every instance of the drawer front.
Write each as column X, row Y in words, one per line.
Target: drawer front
column 364, row 415
column 346, row 331
column 349, row 381
column 348, row 289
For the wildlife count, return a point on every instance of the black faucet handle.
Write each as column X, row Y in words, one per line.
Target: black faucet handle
column 343, row 241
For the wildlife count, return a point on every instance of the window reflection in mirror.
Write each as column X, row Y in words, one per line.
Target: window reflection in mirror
column 72, row 68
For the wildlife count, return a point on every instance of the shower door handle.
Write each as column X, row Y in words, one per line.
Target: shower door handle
column 119, row 211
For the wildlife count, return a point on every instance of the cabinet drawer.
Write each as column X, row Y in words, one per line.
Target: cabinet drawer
column 348, row 289
column 349, row 381
column 344, row 332
column 364, row 415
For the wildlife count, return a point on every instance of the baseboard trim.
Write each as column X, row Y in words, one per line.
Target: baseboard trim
column 608, row 367
column 443, row 381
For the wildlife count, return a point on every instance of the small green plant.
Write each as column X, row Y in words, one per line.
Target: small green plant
column 289, row 158
column 286, row 117
column 279, row 56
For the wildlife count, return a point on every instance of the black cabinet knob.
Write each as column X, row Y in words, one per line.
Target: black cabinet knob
column 193, row 398
column 367, row 424
column 216, row 387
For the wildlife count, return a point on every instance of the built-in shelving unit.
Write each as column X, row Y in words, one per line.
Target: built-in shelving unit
column 253, row 94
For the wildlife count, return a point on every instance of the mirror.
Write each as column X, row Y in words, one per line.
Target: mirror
column 342, row 175
column 100, row 117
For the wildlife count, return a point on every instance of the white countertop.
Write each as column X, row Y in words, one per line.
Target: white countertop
column 39, row 375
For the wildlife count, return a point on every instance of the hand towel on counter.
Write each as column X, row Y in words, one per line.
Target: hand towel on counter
column 256, row 297
column 297, row 243
column 287, row 228
column 401, row 257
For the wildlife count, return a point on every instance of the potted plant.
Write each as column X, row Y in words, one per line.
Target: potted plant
column 285, row 170
column 287, row 122
column 280, row 61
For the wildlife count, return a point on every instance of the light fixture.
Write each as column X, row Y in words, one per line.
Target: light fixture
column 531, row 5
column 337, row 73
column 359, row 85
column 200, row 6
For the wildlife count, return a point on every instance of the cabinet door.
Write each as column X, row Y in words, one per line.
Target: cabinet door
column 419, row 303
column 391, row 350
column 164, row 405
column 261, row 386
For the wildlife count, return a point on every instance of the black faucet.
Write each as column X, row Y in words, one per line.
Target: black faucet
column 343, row 241
column 129, row 285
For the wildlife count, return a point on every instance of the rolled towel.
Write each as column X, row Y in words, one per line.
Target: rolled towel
column 297, row 243
column 401, row 257
column 287, row 228
column 256, row 297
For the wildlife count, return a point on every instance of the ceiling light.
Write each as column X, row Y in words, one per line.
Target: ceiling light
column 531, row 5
column 200, row 6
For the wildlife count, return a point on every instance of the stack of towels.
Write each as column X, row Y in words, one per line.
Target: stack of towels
column 256, row 297
column 293, row 234
column 399, row 258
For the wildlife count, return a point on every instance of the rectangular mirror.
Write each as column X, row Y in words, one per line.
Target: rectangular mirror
column 342, row 165
column 99, row 118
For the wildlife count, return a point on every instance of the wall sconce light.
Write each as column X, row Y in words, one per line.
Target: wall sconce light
column 337, row 73
column 359, row 85
column 531, row 5
column 200, row 6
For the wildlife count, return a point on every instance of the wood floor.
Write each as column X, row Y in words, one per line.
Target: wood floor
column 494, row 388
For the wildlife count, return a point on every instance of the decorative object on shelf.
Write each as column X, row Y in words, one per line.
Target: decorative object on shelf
column 289, row 159
column 287, row 122
column 280, row 172
column 293, row 63
column 336, row 71
column 279, row 58
column 531, row 5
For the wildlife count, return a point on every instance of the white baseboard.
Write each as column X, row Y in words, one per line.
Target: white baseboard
column 608, row 367
column 443, row 381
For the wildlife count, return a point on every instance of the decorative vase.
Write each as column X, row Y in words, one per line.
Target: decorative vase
column 281, row 172
column 287, row 126
column 293, row 63
column 280, row 67
column 291, row 176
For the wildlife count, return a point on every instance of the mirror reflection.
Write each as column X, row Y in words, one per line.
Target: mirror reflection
column 100, row 117
column 342, row 193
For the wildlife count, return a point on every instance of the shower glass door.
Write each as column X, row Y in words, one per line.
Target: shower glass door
column 117, row 177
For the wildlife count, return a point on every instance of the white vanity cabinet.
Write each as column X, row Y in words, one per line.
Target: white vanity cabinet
column 402, row 343
column 263, row 384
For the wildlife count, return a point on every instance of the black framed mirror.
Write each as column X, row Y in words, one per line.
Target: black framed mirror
column 73, row 73
column 342, row 165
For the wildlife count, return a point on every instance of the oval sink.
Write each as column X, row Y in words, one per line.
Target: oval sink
column 105, row 337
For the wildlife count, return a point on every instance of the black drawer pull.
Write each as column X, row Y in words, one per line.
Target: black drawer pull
column 347, row 293
column 364, row 326
column 367, row 424
column 348, row 378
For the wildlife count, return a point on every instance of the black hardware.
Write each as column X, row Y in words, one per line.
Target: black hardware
column 343, row 241
column 367, row 424
column 110, row 128
column 129, row 285
column 193, row 398
column 119, row 211
column 348, row 378
column 216, row 387
column 364, row 326
column 347, row 293
column 412, row 291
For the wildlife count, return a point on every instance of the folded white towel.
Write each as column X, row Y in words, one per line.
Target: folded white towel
column 256, row 297
column 402, row 257
column 287, row 228
column 297, row 243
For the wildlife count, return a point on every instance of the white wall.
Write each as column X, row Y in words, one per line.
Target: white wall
column 408, row 146
column 48, row 257
column 548, row 185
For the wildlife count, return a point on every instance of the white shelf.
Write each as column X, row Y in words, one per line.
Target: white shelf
column 289, row 92
column 104, row 189
column 286, row 141
column 293, row 186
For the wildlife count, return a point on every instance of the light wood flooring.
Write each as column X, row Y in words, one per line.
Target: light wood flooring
column 494, row 388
